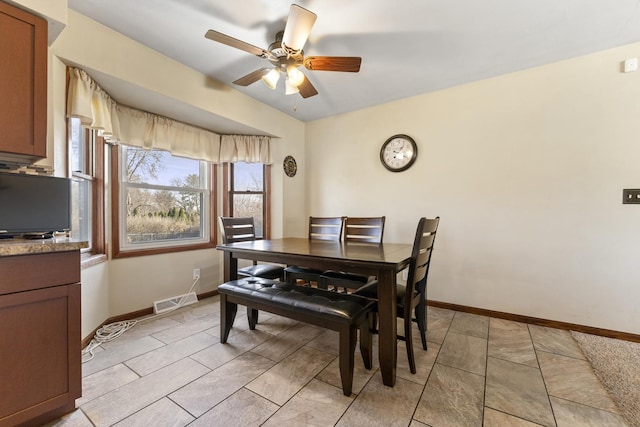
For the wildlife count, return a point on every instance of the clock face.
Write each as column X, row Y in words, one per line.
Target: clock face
column 398, row 153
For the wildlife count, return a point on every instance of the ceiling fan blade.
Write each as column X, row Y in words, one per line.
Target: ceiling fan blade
column 238, row 44
column 298, row 28
column 252, row 77
column 306, row 88
column 333, row 63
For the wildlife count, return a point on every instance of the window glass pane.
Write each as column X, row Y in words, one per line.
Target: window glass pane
column 250, row 205
column 81, row 210
column 160, row 215
column 161, row 168
column 248, row 177
column 79, row 147
column 164, row 199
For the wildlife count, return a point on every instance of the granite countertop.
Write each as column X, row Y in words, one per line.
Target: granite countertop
column 19, row 246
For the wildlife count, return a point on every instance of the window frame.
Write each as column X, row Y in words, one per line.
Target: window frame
column 95, row 159
column 116, row 187
column 228, row 191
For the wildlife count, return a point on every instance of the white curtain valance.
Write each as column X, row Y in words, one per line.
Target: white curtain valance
column 122, row 124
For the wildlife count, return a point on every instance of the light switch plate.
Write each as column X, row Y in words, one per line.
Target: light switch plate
column 630, row 65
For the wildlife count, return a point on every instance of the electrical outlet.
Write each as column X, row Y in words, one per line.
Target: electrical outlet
column 630, row 195
column 196, row 273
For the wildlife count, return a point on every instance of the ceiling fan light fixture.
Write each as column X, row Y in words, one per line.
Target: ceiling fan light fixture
column 290, row 88
column 295, row 76
column 298, row 28
column 271, row 78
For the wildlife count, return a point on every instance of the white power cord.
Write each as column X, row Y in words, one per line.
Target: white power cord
column 113, row 330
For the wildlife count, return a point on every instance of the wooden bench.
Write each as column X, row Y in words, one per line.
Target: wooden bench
column 340, row 312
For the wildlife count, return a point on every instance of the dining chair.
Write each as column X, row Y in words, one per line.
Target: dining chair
column 242, row 229
column 412, row 296
column 320, row 228
column 365, row 230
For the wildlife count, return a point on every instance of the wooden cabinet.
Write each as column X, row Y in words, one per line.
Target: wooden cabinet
column 23, row 84
column 40, row 343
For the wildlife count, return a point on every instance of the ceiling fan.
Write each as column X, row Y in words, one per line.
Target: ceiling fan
column 286, row 55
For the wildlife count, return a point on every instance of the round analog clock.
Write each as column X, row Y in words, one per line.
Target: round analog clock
column 290, row 166
column 398, row 153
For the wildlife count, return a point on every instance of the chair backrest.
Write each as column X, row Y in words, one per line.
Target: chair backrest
column 364, row 229
column 421, row 258
column 325, row 228
column 240, row 229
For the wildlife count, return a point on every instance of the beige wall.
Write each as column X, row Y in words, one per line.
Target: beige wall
column 526, row 171
column 127, row 285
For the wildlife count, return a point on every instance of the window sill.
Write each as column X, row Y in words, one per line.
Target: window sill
column 89, row 260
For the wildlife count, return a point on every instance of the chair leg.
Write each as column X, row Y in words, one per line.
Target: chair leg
column 366, row 341
column 421, row 319
column 252, row 317
column 227, row 316
column 348, row 336
column 408, row 339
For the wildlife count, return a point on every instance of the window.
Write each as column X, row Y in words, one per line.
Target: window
column 164, row 202
column 247, row 186
column 86, row 161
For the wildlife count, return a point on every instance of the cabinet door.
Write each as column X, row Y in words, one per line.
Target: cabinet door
column 40, row 350
column 23, row 82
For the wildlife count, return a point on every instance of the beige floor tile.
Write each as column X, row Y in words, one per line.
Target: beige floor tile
column 328, row 341
column 164, row 412
column 286, row 378
column 76, row 418
column 141, row 329
column 493, row 418
column 210, row 389
column 168, row 354
column 379, row 405
column 452, row 397
column 104, row 381
column 464, row 352
column 130, row 398
column 511, row 341
column 361, row 375
column 517, row 390
column 186, row 329
column 242, row 409
column 437, row 328
column 118, row 354
column 424, row 361
column 470, row 324
column 583, row 387
column 317, row 404
column 570, row 414
column 219, row 354
column 440, row 312
column 287, row 342
column 555, row 341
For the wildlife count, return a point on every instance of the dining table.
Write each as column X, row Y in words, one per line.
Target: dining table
column 384, row 261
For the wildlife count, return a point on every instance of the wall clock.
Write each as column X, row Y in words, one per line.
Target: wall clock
column 398, row 153
column 290, row 166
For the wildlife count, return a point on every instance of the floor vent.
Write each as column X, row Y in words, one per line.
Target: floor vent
column 168, row 304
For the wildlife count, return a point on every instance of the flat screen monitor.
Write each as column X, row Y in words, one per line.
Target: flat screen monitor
column 34, row 203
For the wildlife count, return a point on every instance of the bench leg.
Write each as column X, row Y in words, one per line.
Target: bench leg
column 366, row 340
column 252, row 317
column 227, row 316
column 348, row 336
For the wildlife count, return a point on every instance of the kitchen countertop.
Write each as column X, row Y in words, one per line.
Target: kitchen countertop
column 20, row 246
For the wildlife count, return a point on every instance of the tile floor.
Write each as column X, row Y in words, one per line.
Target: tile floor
column 478, row 371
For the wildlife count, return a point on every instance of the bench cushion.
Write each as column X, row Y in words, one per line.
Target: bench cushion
column 320, row 303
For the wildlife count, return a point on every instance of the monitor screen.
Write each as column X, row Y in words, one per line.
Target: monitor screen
column 34, row 203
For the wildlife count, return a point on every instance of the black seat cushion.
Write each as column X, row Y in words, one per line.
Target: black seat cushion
column 316, row 302
column 340, row 275
column 262, row 270
column 370, row 290
column 294, row 269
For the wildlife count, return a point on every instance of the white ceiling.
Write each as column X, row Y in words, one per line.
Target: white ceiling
column 408, row 47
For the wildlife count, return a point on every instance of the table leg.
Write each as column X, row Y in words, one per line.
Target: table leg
column 387, row 327
column 230, row 267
